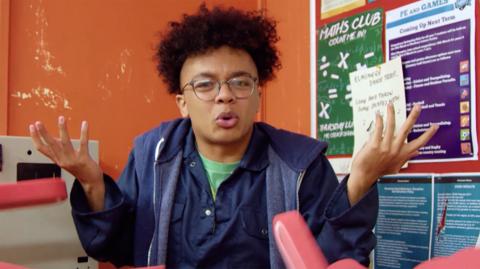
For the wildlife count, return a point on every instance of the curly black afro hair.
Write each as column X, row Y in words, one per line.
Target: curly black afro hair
column 209, row 29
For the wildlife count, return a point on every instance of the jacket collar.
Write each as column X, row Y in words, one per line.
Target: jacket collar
column 296, row 150
column 254, row 159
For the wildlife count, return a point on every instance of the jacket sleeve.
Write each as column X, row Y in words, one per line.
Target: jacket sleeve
column 107, row 235
column 342, row 231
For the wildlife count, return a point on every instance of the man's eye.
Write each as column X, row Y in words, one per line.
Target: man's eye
column 204, row 85
column 242, row 83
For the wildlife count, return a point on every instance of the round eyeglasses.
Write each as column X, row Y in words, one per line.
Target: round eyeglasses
column 207, row 89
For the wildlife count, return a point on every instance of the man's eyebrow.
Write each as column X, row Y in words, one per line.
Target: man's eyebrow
column 231, row 75
column 204, row 74
column 240, row 73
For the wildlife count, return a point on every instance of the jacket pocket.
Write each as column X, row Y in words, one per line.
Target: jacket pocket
column 175, row 249
column 176, row 220
column 254, row 223
column 177, row 212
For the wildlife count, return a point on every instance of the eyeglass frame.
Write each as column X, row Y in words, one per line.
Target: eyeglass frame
column 219, row 84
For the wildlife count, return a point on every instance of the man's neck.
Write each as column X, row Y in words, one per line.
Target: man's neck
column 225, row 153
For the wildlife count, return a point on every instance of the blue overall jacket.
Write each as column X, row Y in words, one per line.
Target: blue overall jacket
column 133, row 228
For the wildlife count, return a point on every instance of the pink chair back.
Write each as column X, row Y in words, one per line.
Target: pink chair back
column 32, row 192
column 298, row 247
column 468, row 258
column 295, row 242
column 4, row 265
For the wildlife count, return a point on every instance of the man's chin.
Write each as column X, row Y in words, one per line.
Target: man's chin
column 229, row 136
column 230, row 140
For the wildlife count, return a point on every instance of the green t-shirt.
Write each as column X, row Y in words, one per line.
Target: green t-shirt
column 217, row 172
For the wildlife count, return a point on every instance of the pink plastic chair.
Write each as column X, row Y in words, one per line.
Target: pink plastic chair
column 4, row 265
column 30, row 193
column 298, row 248
column 468, row 258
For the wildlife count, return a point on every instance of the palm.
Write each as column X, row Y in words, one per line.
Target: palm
column 385, row 153
column 61, row 151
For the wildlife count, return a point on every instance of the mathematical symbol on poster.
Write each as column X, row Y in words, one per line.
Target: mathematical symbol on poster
column 324, row 113
column 324, row 65
column 343, row 60
column 348, row 96
column 332, row 93
column 360, row 66
column 369, row 55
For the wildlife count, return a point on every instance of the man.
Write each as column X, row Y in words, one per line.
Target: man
column 201, row 191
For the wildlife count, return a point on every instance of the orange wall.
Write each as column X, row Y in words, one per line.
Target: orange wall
column 91, row 60
column 287, row 99
column 4, row 41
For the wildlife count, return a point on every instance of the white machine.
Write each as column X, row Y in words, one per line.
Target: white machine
column 39, row 237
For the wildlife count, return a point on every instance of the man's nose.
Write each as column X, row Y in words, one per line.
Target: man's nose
column 225, row 94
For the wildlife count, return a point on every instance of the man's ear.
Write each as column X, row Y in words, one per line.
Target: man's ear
column 259, row 105
column 182, row 105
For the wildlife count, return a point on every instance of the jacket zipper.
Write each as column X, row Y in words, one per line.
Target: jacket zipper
column 299, row 182
column 157, row 153
column 154, row 213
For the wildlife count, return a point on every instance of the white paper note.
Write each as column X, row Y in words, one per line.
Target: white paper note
column 372, row 90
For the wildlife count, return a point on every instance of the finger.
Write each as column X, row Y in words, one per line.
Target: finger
column 413, row 154
column 377, row 134
column 390, row 129
column 63, row 130
column 52, row 148
column 407, row 158
column 64, row 135
column 40, row 145
column 84, row 138
column 423, row 139
column 37, row 141
column 44, row 135
column 409, row 122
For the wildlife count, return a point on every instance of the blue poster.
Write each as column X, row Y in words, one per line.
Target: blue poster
column 456, row 219
column 403, row 225
column 424, row 215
